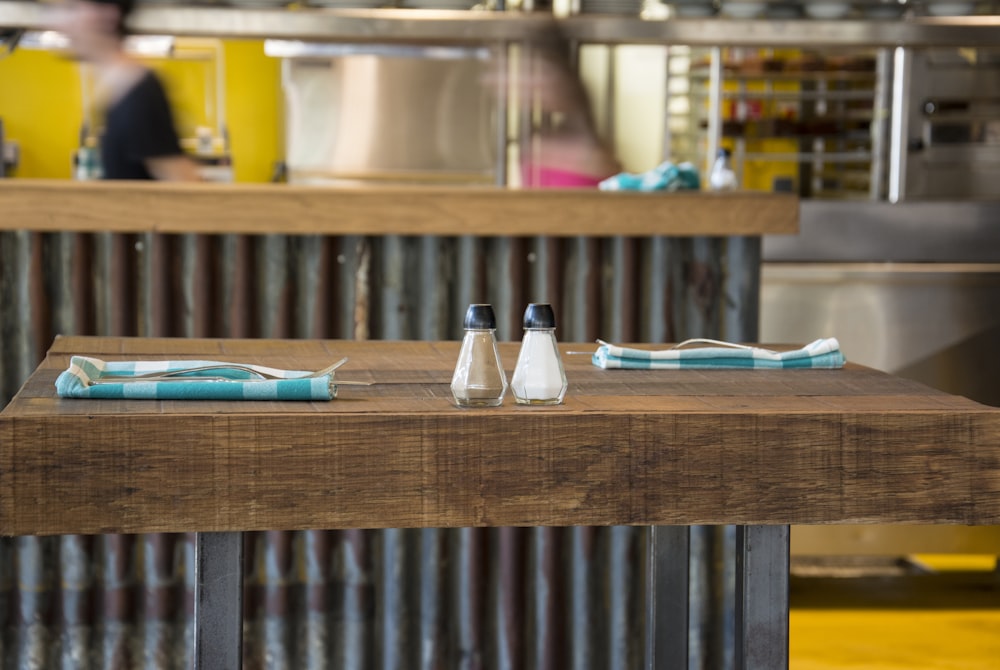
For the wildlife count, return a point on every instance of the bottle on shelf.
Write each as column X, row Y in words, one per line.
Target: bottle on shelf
column 87, row 160
column 722, row 177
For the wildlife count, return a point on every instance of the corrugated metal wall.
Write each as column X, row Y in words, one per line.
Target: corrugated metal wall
column 460, row 598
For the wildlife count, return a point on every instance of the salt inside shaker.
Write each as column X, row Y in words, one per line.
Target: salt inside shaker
column 539, row 377
column 479, row 379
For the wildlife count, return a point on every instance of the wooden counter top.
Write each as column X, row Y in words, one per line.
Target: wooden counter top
column 628, row 447
column 50, row 205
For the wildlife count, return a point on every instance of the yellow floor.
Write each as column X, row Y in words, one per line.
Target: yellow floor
column 895, row 639
column 948, row 620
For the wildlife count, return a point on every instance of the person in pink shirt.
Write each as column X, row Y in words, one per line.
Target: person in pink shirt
column 565, row 150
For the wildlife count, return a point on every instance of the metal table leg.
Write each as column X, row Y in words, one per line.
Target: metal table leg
column 668, row 553
column 218, row 602
column 762, row 597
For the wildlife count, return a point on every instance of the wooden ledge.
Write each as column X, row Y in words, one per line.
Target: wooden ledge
column 138, row 207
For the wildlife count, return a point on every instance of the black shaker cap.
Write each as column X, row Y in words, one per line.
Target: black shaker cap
column 480, row 317
column 539, row 315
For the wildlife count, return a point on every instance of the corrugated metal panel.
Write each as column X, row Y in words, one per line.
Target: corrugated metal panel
column 540, row 598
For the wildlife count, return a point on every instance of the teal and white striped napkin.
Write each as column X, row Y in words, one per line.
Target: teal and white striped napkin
column 821, row 354
column 664, row 177
column 77, row 381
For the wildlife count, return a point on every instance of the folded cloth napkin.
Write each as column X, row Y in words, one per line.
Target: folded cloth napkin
column 78, row 381
column 664, row 177
column 824, row 353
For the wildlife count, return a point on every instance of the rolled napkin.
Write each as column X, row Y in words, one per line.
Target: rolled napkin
column 88, row 378
column 821, row 354
column 664, row 177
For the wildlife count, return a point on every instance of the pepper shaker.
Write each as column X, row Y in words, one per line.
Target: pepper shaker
column 479, row 379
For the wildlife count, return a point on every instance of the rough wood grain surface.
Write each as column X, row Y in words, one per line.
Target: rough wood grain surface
column 44, row 205
column 628, row 447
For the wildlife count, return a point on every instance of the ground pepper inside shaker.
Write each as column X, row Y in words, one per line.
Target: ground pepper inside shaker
column 539, row 377
column 479, row 379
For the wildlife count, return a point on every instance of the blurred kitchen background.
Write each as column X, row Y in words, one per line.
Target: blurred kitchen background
column 894, row 150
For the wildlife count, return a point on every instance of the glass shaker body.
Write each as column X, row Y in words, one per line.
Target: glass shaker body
column 539, row 377
column 479, row 379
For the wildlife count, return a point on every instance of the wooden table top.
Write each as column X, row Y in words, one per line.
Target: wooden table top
column 627, row 447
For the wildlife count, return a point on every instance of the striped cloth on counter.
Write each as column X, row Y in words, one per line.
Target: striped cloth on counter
column 823, row 353
column 77, row 381
column 664, row 177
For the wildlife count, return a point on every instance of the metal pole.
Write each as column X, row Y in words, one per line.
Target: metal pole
column 610, row 95
column 899, row 133
column 667, row 553
column 218, row 601
column 714, row 107
column 762, row 597
column 503, row 100
column 883, row 66
column 667, row 138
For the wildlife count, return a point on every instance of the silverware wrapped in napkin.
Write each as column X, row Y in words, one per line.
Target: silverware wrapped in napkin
column 821, row 354
column 194, row 380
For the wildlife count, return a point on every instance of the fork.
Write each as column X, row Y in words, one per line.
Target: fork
column 173, row 375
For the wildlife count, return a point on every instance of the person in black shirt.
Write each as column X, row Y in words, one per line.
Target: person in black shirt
column 139, row 139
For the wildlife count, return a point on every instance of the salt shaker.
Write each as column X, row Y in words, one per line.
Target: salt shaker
column 539, row 377
column 479, row 379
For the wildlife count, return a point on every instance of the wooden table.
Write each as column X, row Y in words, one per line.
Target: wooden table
column 759, row 449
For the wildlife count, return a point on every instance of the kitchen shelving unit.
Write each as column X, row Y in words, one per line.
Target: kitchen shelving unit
column 824, row 111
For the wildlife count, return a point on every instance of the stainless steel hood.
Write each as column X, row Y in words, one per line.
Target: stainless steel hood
column 387, row 113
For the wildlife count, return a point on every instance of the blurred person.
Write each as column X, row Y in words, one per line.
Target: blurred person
column 565, row 150
column 139, row 140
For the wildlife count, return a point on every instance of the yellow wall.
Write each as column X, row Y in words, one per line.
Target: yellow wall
column 253, row 94
column 41, row 107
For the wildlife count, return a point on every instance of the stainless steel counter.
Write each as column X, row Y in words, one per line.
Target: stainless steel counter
column 912, row 289
column 875, row 232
